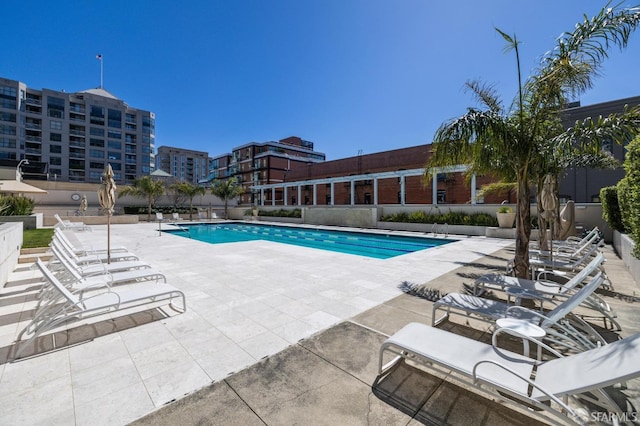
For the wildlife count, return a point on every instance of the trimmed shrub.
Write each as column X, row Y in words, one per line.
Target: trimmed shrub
column 610, row 208
column 451, row 218
column 629, row 194
column 278, row 213
column 16, row 206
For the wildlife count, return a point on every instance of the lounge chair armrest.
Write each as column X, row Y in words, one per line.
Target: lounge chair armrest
column 526, row 379
column 522, row 336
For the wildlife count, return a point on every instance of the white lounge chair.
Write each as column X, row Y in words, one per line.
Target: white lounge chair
column 568, row 250
column 67, row 307
column 98, row 257
column 560, row 325
column 176, row 216
column 70, row 275
column 74, row 226
column 547, row 290
column 572, row 241
column 517, row 380
column 69, row 240
column 97, row 267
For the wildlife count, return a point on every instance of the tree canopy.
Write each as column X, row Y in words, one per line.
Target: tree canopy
column 526, row 141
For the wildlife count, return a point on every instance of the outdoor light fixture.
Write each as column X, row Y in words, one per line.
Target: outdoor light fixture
column 18, row 171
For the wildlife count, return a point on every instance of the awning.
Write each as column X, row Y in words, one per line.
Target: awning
column 17, row 187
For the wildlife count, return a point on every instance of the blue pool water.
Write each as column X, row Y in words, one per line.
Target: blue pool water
column 379, row 246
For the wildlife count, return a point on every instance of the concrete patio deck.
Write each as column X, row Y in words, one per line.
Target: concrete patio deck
column 300, row 327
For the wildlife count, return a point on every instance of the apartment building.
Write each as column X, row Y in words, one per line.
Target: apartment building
column 76, row 134
column 583, row 184
column 183, row 164
column 259, row 163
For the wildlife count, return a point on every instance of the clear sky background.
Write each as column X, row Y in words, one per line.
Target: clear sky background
column 349, row 75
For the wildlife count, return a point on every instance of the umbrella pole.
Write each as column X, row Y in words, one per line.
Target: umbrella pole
column 108, row 238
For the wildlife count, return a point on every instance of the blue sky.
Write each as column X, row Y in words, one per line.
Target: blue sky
column 349, row 75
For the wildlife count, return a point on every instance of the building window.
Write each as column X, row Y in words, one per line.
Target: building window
column 115, row 118
column 114, row 155
column 7, row 143
column 115, row 134
column 55, row 137
column 55, row 149
column 97, row 115
column 55, row 161
column 7, row 130
column 96, row 142
column 367, row 198
column 96, row 131
column 8, row 97
column 115, row 145
column 55, row 125
column 7, row 116
column 55, row 107
column 96, row 165
column 442, row 196
column 96, row 153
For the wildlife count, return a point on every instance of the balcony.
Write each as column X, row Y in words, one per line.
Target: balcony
column 77, row 132
column 33, row 100
column 31, row 138
column 33, row 126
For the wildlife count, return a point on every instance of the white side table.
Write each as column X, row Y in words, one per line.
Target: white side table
column 524, row 328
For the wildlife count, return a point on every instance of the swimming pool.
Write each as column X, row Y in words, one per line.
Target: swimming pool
column 379, row 246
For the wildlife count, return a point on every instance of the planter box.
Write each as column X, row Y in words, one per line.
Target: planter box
column 506, row 220
column 277, row 219
column 429, row 228
column 33, row 221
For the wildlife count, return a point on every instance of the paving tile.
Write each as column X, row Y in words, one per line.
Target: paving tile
column 159, row 358
column 30, row 373
column 39, row 404
column 169, row 385
column 95, row 383
column 117, row 408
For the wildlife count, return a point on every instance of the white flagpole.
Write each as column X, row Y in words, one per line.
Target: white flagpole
column 99, row 57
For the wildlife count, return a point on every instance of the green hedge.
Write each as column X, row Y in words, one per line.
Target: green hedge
column 163, row 210
column 611, row 208
column 451, row 218
column 277, row 213
column 629, row 194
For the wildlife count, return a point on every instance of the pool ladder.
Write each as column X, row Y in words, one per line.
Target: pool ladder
column 444, row 229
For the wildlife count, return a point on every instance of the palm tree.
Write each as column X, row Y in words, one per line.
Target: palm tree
column 144, row 187
column 189, row 190
column 226, row 190
column 513, row 144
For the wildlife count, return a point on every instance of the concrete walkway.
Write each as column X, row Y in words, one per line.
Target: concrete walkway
column 301, row 329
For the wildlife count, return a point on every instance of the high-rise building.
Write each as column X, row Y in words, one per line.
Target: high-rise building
column 183, row 164
column 259, row 163
column 76, row 134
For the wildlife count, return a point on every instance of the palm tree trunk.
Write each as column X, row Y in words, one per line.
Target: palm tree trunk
column 523, row 229
column 149, row 209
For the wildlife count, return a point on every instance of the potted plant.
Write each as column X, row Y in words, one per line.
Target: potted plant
column 506, row 217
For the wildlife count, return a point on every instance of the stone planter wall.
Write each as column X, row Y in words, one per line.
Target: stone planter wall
column 624, row 246
column 10, row 244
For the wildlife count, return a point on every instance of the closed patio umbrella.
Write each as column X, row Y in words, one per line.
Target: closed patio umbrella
column 549, row 202
column 107, row 198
